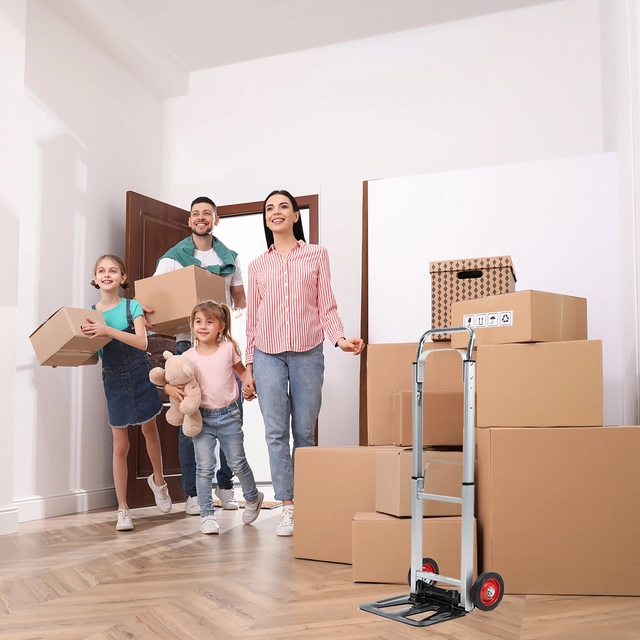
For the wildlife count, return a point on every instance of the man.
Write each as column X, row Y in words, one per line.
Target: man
column 202, row 248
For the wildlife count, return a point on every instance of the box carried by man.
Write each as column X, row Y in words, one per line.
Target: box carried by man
column 173, row 295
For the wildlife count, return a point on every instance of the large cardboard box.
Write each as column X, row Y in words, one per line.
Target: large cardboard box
column 542, row 384
column 523, row 316
column 442, row 418
column 382, row 547
column 466, row 279
column 173, row 295
column 394, row 486
column 390, row 369
column 59, row 341
column 559, row 509
column 331, row 485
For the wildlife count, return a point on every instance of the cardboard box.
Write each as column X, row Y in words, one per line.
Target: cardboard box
column 442, row 418
column 466, row 279
column 542, row 384
column 390, row 369
column 331, row 485
column 382, row 547
column 59, row 341
column 394, row 486
column 173, row 295
column 524, row 316
column 558, row 509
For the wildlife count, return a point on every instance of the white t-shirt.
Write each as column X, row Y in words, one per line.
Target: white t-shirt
column 207, row 259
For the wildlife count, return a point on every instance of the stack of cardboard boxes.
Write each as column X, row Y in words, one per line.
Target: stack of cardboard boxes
column 557, row 493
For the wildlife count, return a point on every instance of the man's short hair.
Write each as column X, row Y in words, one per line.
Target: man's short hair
column 204, row 199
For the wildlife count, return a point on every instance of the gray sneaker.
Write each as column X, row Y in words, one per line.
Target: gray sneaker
column 252, row 509
column 209, row 525
column 228, row 498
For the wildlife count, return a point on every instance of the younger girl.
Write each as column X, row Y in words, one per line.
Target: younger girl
column 215, row 356
column 131, row 397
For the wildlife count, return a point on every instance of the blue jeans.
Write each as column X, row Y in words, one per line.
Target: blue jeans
column 289, row 388
column 187, row 455
column 224, row 425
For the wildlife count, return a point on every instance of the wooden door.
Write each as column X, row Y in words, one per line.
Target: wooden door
column 152, row 228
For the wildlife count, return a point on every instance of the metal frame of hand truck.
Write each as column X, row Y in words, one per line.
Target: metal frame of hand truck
column 428, row 604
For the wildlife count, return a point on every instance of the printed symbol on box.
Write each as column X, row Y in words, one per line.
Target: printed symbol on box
column 506, row 318
column 468, row 321
column 481, row 320
column 492, row 319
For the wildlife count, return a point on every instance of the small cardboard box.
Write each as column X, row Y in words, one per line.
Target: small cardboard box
column 390, row 369
column 394, row 487
column 442, row 418
column 382, row 547
column 321, row 475
column 466, row 279
column 173, row 295
column 523, row 316
column 59, row 341
column 540, row 384
column 557, row 509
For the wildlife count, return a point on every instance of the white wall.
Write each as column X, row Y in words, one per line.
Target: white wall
column 91, row 132
column 510, row 87
column 12, row 47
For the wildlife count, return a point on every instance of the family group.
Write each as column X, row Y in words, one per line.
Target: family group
column 290, row 308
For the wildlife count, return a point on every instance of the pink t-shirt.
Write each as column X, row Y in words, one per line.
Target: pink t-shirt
column 214, row 374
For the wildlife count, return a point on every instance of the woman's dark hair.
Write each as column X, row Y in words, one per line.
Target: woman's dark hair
column 298, row 230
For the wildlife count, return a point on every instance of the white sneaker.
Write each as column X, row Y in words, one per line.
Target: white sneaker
column 285, row 528
column 252, row 509
column 209, row 525
column 228, row 498
column 124, row 520
column 191, row 507
column 163, row 499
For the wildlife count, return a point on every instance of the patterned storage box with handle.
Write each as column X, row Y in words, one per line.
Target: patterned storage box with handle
column 466, row 279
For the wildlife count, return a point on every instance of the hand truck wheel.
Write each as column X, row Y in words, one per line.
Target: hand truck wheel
column 430, row 565
column 487, row 591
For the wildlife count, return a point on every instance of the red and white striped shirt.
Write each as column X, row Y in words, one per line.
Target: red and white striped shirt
column 290, row 302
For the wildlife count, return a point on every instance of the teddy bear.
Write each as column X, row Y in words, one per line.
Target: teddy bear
column 179, row 371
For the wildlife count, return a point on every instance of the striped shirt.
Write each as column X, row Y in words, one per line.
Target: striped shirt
column 290, row 302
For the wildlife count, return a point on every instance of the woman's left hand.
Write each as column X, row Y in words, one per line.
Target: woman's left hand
column 95, row 329
column 352, row 345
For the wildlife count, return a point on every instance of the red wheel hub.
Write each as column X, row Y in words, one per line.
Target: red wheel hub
column 490, row 592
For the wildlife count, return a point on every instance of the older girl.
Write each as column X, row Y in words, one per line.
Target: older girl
column 131, row 397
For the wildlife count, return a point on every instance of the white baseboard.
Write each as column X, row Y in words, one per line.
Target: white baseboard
column 39, row 507
column 8, row 519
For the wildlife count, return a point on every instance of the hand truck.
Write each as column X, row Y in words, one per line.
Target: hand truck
column 428, row 604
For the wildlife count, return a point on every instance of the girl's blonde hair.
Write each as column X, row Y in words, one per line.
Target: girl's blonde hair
column 222, row 313
column 119, row 261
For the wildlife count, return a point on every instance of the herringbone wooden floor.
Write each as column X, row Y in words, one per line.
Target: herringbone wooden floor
column 75, row 577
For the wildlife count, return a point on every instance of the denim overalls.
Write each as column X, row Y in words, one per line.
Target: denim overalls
column 131, row 397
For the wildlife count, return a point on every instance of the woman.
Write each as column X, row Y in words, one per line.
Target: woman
column 290, row 308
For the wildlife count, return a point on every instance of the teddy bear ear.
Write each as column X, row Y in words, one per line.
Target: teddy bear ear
column 167, row 354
